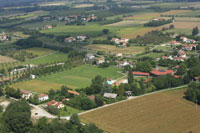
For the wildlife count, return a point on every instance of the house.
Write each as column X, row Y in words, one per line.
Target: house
column 33, row 76
column 70, row 39
column 3, row 37
column 43, row 97
column 58, row 105
column 47, row 27
column 120, row 42
column 128, row 93
column 19, row 70
column 89, row 57
column 100, row 60
column 137, row 73
column 119, row 55
column 188, row 47
column 26, row 94
column 81, row 37
column 181, row 53
column 161, row 72
column 147, row 80
column 73, row 92
column 110, row 95
column 197, row 78
column 186, row 40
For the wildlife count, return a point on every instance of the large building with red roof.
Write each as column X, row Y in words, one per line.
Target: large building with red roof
column 137, row 73
column 161, row 72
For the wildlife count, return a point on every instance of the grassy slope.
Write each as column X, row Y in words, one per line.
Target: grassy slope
column 166, row 112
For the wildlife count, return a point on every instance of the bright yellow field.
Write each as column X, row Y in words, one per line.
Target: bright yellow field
column 165, row 112
column 113, row 49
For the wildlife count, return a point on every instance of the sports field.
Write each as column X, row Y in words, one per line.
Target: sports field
column 165, row 112
column 78, row 77
column 113, row 49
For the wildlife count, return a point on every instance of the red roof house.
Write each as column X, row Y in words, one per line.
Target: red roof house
column 72, row 92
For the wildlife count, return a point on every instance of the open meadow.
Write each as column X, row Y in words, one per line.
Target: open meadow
column 112, row 49
column 165, row 112
column 5, row 59
column 75, row 78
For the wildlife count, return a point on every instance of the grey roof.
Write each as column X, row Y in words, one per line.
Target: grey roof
column 110, row 95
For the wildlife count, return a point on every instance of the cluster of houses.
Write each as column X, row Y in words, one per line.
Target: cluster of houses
column 79, row 38
column 120, row 42
column 27, row 95
column 3, row 36
column 90, row 57
column 72, row 18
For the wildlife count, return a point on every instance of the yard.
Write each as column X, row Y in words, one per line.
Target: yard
column 166, row 112
column 75, row 78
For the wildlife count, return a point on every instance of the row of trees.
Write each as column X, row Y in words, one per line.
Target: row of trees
column 193, row 92
column 158, row 23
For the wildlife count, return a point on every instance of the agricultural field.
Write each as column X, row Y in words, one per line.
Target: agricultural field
column 128, row 23
column 151, row 54
column 5, row 59
column 114, row 50
column 83, row 5
column 75, row 78
column 88, row 29
column 39, row 51
column 166, row 112
column 49, row 58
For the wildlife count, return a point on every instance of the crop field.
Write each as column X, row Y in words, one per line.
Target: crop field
column 128, row 23
column 151, row 54
column 175, row 12
column 5, row 59
column 165, row 112
column 193, row 13
column 49, row 58
column 89, row 29
column 84, row 5
column 186, row 25
column 113, row 49
column 79, row 77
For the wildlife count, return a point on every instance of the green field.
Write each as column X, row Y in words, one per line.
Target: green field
column 70, row 111
column 151, row 54
column 50, row 58
column 39, row 51
column 79, row 77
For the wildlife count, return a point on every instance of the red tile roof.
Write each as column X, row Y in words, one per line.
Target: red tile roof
column 73, row 92
column 141, row 73
column 147, row 80
column 52, row 102
column 42, row 95
column 161, row 72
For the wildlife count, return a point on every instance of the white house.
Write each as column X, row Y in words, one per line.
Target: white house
column 26, row 94
column 100, row 61
column 89, row 57
column 110, row 95
column 3, row 37
column 43, row 97
column 33, row 76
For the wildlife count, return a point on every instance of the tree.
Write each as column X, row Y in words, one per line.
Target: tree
column 51, row 94
column 130, row 77
column 171, row 26
column 74, row 120
column 34, row 99
column 99, row 100
column 1, row 92
column 105, row 31
column 182, row 69
column 17, row 117
column 195, row 31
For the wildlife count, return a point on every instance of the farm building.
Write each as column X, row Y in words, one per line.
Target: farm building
column 110, row 95
column 58, row 105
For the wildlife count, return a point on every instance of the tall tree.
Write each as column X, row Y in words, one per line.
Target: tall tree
column 195, row 31
column 130, row 77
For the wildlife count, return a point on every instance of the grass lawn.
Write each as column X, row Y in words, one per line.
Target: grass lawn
column 70, row 111
column 36, row 86
column 79, row 77
column 39, row 51
column 165, row 112
column 151, row 54
column 50, row 58
column 113, row 49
